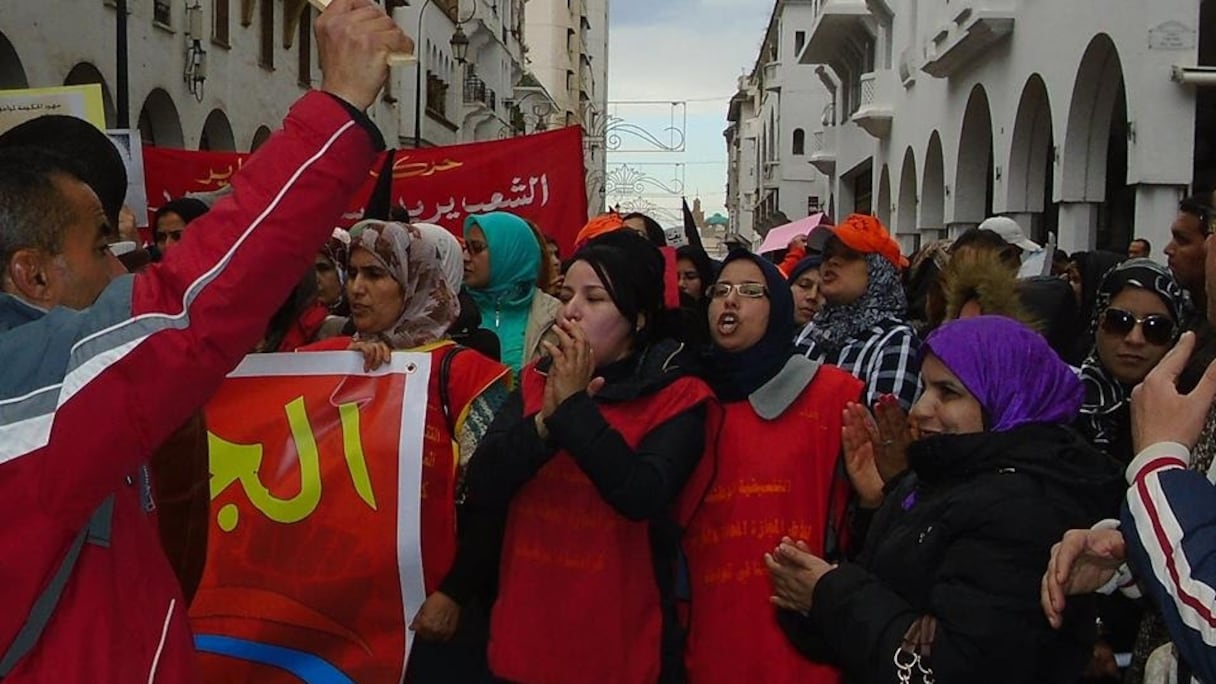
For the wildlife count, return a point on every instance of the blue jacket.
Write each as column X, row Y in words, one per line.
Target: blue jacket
column 1169, row 524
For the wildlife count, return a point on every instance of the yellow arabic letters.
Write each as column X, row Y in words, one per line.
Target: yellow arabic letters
column 241, row 463
column 352, row 447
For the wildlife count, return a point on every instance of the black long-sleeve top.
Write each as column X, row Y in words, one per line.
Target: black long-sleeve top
column 640, row 483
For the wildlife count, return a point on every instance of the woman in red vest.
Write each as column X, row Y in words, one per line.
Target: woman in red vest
column 584, row 463
column 402, row 288
column 776, row 474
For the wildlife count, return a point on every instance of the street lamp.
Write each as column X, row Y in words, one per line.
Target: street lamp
column 460, row 44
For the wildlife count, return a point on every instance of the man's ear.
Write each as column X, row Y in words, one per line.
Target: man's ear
column 27, row 277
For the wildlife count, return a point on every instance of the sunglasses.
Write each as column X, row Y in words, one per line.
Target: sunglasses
column 749, row 290
column 1156, row 328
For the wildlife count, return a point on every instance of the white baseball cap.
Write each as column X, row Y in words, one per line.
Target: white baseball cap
column 1010, row 232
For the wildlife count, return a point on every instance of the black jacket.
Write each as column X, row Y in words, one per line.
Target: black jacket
column 640, row 484
column 965, row 538
column 467, row 330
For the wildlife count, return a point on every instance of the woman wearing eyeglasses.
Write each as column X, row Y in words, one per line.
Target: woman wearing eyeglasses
column 502, row 263
column 1138, row 315
column 773, row 474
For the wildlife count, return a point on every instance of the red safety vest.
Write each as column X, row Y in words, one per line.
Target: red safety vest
column 578, row 601
column 468, row 374
column 773, row 479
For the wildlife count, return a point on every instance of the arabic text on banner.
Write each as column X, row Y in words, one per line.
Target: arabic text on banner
column 539, row 177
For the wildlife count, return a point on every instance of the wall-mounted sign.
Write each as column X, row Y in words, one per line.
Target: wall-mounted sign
column 1172, row 35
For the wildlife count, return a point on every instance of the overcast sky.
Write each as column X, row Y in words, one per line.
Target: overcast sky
column 683, row 50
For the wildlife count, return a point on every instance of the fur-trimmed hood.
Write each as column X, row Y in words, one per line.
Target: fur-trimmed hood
column 981, row 276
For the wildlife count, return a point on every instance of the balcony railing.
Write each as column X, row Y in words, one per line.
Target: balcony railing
column 874, row 99
column 772, row 76
column 475, row 90
column 868, row 89
column 823, row 150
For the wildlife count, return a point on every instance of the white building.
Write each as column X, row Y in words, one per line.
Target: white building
column 772, row 118
column 258, row 56
column 1062, row 115
column 568, row 53
column 479, row 99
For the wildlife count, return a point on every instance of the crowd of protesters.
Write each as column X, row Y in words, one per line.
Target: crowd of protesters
column 982, row 462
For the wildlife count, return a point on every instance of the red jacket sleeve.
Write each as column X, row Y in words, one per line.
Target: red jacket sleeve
column 195, row 315
column 791, row 260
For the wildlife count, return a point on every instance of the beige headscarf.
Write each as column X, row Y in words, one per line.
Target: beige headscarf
column 426, row 262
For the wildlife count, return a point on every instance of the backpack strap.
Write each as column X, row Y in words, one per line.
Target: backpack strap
column 96, row 532
column 445, row 395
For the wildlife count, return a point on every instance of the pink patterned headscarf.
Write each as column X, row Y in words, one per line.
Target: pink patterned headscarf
column 427, row 263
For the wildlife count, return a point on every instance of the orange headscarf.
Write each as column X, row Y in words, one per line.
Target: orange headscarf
column 866, row 234
column 604, row 223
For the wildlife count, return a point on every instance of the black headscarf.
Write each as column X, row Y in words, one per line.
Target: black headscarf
column 735, row 375
column 654, row 232
column 807, row 263
column 188, row 208
column 1092, row 266
column 631, row 269
column 706, row 268
column 694, row 325
column 1105, row 420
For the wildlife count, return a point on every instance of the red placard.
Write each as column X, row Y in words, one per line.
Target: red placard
column 313, row 560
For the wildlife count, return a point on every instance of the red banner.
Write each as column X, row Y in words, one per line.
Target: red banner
column 539, row 177
column 313, row 553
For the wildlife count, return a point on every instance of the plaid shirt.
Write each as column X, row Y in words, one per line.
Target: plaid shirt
column 885, row 359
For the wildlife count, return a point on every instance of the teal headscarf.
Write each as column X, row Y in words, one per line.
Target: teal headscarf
column 514, row 268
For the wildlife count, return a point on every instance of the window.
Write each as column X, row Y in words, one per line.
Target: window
column 570, row 42
column 799, row 42
column 219, row 22
column 304, row 43
column 266, row 47
column 799, row 142
column 569, row 80
column 436, row 96
column 162, row 12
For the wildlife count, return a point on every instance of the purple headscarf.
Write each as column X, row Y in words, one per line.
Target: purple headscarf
column 1010, row 370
